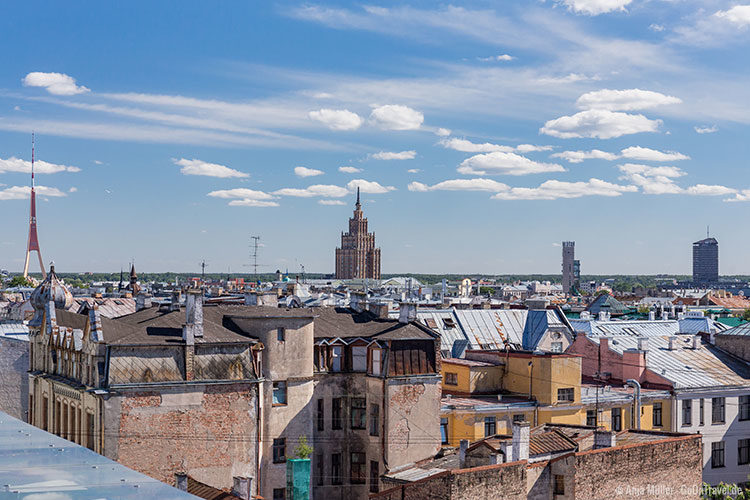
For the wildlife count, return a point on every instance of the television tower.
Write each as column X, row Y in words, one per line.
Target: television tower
column 33, row 243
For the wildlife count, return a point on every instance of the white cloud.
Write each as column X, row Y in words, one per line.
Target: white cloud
column 370, row 187
column 656, row 27
column 739, row 15
column 350, row 170
column 98, row 162
column 200, row 167
column 443, row 132
column 709, row 190
column 403, row 155
column 242, row 193
column 307, row 172
column 73, row 189
column 54, row 83
column 467, row 146
column 742, row 195
column 706, row 129
column 599, row 124
column 323, row 190
column 624, row 100
column 501, row 57
column 331, row 202
column 579, row 156
column 596, row 7
column 396, row 117
column 413, row 171
column 14, row 164
column 505, row 163
column 554, row 189
column 337, row 119
column 252, row 203
column 23, row 192
column 649, row 171
column 646, row 154
column 478, row 184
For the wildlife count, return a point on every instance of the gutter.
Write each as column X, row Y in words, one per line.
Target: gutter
column 637, row 401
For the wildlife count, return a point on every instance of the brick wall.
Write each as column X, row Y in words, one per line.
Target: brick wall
column 465, row 484
column 14, row 381
column 209, row 432
column 739, row 345
column 670, row 468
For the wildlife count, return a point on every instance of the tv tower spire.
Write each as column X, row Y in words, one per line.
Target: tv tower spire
column 33, row 243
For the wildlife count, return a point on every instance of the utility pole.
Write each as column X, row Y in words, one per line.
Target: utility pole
column 203, row 271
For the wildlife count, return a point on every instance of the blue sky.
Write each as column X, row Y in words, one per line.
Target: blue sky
column 481, row 136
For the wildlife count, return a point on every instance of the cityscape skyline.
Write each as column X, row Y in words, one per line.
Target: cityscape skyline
column 207, row 138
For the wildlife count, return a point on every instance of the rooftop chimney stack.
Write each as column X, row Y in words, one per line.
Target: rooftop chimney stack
column 652, row 315
column 180, row 481
column 520, row 441
column 462, row 447
column 672, row 342
column 174, row 303
column 604, row 439
column 696, row 341
column 407, row 312
column 194, row 312
column 643, row 343
column 241, row 487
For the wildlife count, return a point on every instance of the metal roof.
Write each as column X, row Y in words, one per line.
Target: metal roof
column 490, row 328
column 435, row 319
column 743, row 329
column 14, row 330
column 636, row 328
column 687, row 368
column 35, row 463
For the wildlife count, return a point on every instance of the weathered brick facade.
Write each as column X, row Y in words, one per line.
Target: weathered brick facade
column 208, row 432
column 739, row 345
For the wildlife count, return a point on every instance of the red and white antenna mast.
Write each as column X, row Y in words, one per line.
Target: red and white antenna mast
column 33, row 242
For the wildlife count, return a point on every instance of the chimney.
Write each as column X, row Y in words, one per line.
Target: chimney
column 95, row 324
column 712, row 337
column 604, row 439
column 241, row 487
column 672, row 342
column 520, row 441
column 643, row 343
column 604, row 343
column 462, row 447
column 174, row 303
column 651, row 315
column 355, row 301
column 180, row 481
column 194, row 312
column 379, row 309
column 407, row 312
column 602, row 316
column 251, row 299
column 664, row 314
column 506, row 446
column 696, row 341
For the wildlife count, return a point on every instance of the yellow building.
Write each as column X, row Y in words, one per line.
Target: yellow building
column 486, row 392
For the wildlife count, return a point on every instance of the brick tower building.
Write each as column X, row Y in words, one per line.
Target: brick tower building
column 358, row 257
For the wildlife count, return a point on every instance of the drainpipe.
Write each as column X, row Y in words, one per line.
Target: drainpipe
column 637, row 400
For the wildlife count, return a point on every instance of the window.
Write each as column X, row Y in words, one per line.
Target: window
column 358, row 465
column 359, row 413
column 717, row 410
column 281, row 334
column 449, row 323
column 444, row 430
column 657, row 415
column 279, row 450
column 519, row 417
column 567, row 394
column 744, row 408
column 591, row 417
column 616, row 419
column 559, row 485
column 451, row 378
column 90, row 438
column 279, row 494
column 320, row 469
column 701, row 413
column 376, row 364
column 336, row 468
column 374, row 420
column 336, row 355
column 336, row 409
column 743, row 451
column 687, row 412
column 556, row 347
column 279, row 393
column 321, row 417
column 359, row 359
column 45, row 410
column 717, row 454
column 490, row 426
column 374, row 476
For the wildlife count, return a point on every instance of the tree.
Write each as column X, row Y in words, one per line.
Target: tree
column 303, row 450
column 20, row 281
column 746, row 315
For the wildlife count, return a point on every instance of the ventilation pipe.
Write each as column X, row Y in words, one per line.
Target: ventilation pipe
column 636, row 401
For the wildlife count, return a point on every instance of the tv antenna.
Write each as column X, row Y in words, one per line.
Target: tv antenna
column 254, row 256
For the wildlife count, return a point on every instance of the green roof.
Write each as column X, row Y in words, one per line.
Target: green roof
column 732, row 322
